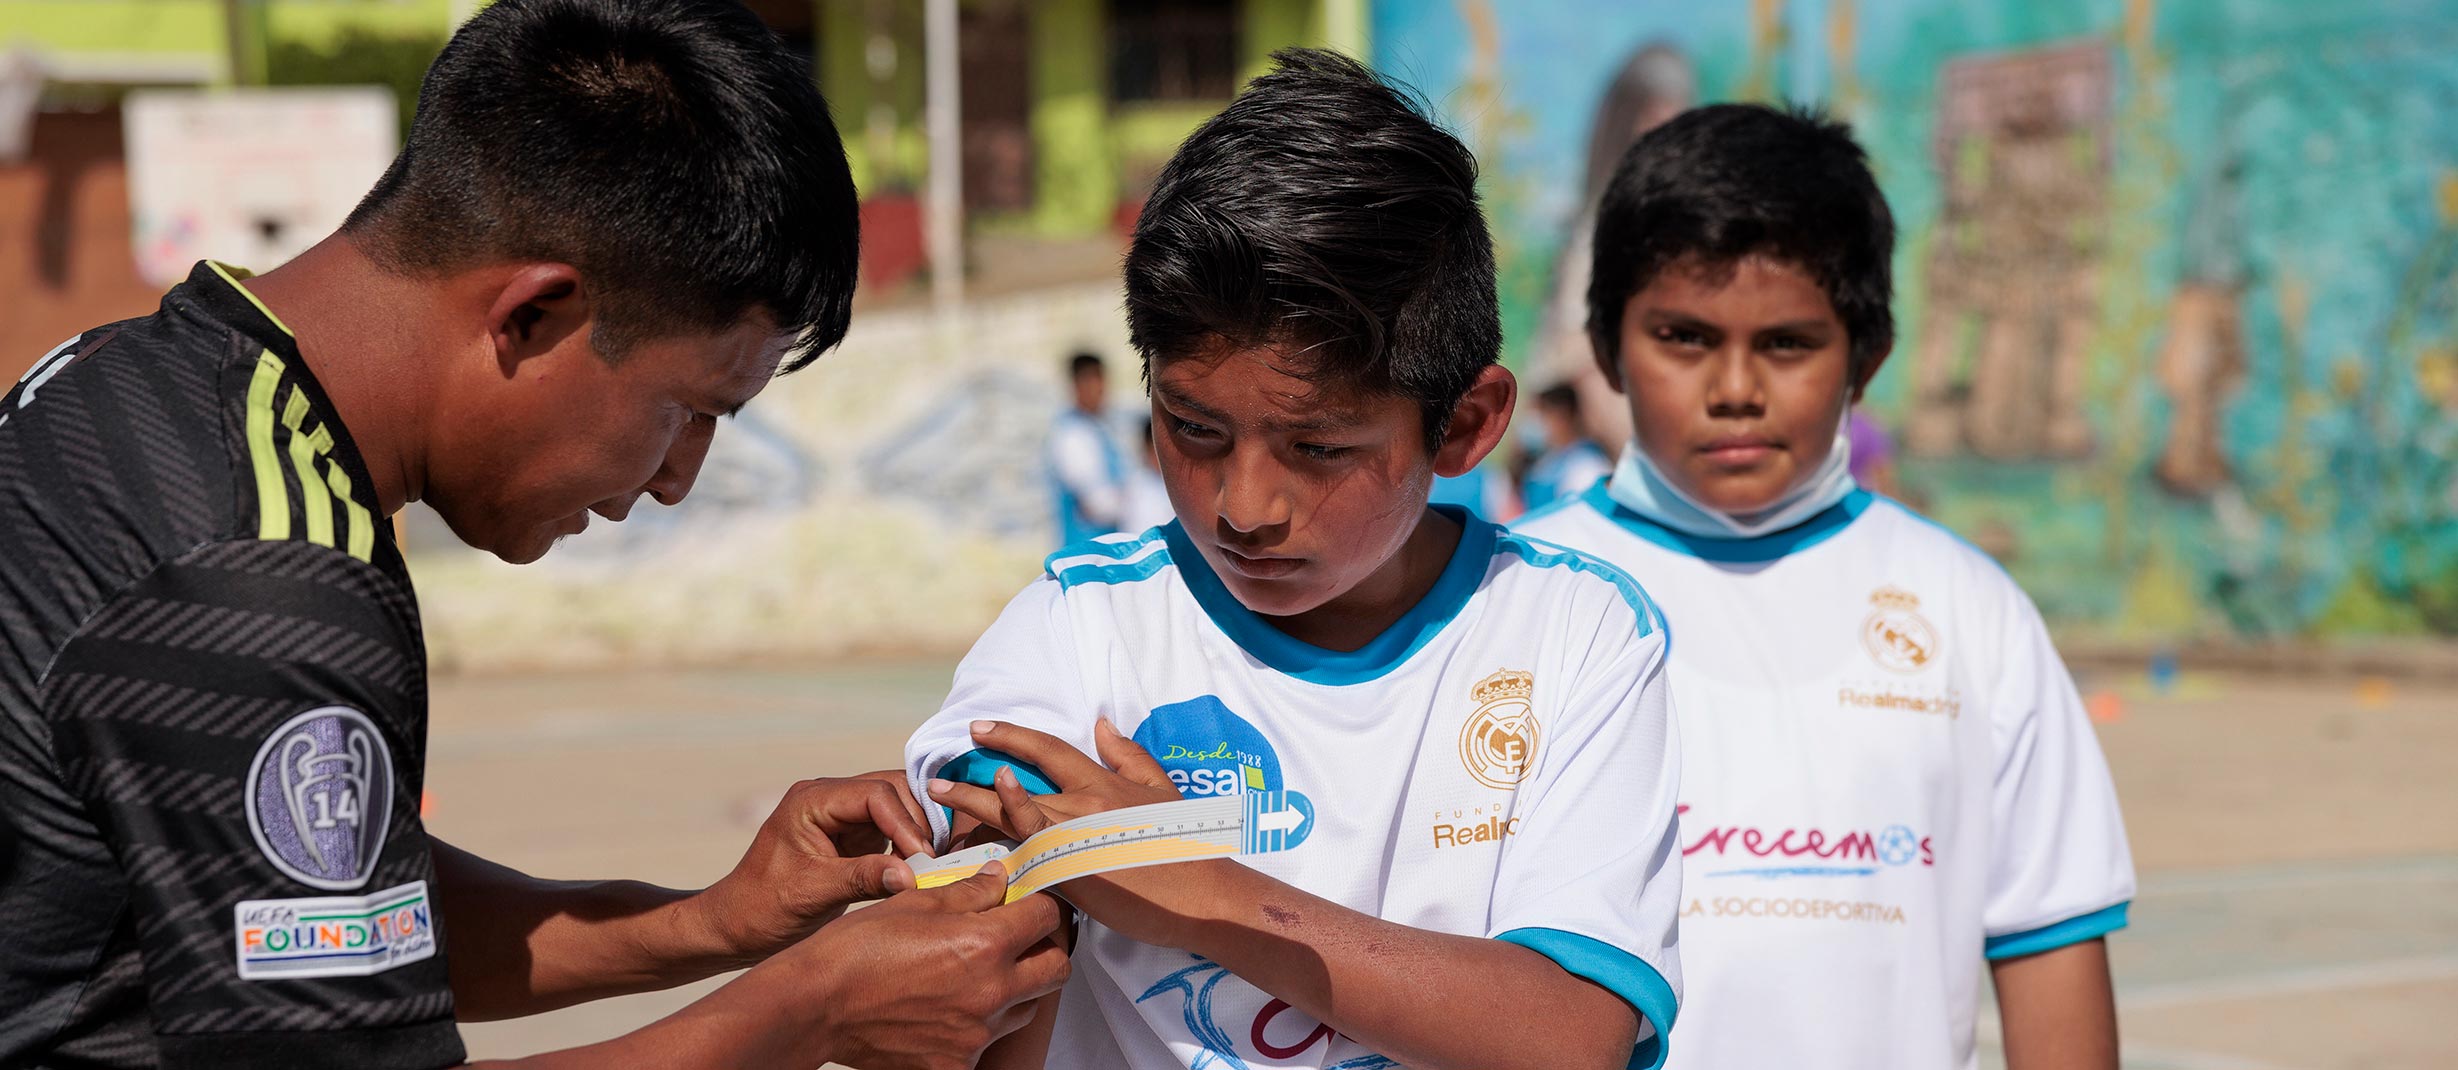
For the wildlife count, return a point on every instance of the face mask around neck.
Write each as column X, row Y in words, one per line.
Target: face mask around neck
column 1639, row 486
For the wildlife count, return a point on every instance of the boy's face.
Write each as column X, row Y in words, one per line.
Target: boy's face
column 1737, row 378
column 1295, row 494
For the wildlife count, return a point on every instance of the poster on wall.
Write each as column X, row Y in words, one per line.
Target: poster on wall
column 250, row 177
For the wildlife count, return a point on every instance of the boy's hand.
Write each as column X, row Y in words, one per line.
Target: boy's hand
column 1141, row 903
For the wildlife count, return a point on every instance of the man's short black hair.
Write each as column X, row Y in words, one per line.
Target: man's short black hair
column 672, row 150
column 1322, row 211
column 1080, row 363
column 1728, row 181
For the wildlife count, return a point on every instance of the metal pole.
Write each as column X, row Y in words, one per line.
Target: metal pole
column 236, row 32
column 944, row 126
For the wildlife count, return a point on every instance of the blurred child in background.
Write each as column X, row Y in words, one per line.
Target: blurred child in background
column 1087, row 470
column 1571, row 461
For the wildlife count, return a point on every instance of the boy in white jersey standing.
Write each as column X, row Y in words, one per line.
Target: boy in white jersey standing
column 1887, row 775
column 1474, row 723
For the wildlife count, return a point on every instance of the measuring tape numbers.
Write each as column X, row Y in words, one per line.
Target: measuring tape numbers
column 1255, row 822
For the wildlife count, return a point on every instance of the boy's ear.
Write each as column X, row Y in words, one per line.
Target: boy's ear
column 1478, row 422
column 1605, row 363
column 535, row 309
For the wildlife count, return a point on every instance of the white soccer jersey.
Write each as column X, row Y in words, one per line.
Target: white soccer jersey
column 1499, row 763
column 1887, row 777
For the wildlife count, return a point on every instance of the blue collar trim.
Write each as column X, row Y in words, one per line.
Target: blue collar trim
column 1277, row 649
column 1824, row 525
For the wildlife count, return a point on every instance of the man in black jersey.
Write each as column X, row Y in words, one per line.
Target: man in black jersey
column 613, row 221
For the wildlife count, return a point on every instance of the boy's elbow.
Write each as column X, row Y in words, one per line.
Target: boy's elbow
column 1598, row 1041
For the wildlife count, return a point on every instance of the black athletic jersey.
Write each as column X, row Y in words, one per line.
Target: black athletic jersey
column 213, row 714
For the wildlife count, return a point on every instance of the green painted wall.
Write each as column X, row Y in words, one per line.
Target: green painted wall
column 1088, row 152
column 324, row 23
column 183, row 27
column 1075, row 170
column 896, row 158
column 198, row 27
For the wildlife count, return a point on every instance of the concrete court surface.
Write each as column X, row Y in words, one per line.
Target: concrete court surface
column 2297, row 838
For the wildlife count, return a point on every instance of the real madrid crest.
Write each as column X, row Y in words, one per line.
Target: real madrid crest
column 1897, row 636
column 1499, row 743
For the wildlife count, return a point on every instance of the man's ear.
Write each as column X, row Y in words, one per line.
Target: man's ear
column 1605, row 363
column 1478, row 422
column 537, row 307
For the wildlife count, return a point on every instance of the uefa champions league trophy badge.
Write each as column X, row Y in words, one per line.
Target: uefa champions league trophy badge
column 319, row 793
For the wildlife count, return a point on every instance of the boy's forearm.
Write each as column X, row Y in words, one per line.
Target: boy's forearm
column 1429, row 1000
column 2058, row 1009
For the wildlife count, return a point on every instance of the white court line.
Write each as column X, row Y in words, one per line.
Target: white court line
column 2288, row 982
column 2136, row 1056
column 2180, row 1059
column 2316, row 874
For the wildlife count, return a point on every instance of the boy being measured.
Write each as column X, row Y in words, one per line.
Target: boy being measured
column 1474, row 723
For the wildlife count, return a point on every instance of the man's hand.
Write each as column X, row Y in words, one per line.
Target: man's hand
column 1141, row 903
column 924, row 981
column 930, row 978
column 825, row 847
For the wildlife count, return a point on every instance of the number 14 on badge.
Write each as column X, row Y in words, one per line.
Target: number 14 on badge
column 1255, row 822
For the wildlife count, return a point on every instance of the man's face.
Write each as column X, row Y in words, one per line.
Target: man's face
column 1293, row 493
column 1737, row 380
column 526, row 455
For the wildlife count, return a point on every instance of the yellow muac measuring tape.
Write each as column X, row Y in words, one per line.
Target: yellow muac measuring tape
column 1255, row 822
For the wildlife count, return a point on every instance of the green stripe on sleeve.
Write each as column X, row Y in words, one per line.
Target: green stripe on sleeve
column 272, row 499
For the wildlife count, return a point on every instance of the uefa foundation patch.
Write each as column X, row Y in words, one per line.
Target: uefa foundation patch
column 335, row 936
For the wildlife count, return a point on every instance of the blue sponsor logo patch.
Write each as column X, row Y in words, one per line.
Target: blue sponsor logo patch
column 1210, row 751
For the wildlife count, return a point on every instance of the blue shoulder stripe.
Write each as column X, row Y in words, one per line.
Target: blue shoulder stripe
column 1616, row 971
column 2055, row 935
column 1544, row 554
column 1142, row 569
column 1110, row 548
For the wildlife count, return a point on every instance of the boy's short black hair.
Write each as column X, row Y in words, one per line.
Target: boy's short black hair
column 1080, row 363
column 673, row 151
column 1323, row 212
column 1727, row 181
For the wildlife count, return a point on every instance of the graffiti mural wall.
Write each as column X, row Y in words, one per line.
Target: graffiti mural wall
column 2177, row 286
column 888, row 499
